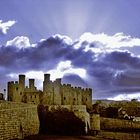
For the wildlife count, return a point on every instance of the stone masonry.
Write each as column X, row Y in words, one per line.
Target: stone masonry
column 18, row 120
column 54, row 93
column 17, row 92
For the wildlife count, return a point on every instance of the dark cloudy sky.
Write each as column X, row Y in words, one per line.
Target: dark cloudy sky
column 89, row 43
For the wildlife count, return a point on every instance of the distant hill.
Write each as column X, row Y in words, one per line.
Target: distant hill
column 127, row 103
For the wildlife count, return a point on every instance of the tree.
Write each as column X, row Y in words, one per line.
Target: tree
column 134, row 100
column 112, row 112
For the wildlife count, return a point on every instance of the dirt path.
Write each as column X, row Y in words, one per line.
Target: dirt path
column 53, row 137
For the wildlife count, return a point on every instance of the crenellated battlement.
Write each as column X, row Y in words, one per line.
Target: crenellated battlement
column 54, row 92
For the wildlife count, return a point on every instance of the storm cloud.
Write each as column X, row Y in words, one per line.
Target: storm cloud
column 104, row 63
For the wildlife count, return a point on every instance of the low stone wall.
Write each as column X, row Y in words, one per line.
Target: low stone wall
column 18, row 120
column 11, row 105
column 120, row 135
column 95, row 122
column 119, row 124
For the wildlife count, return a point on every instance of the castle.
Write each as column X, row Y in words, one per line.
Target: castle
column 23, row 102
column 54, row 93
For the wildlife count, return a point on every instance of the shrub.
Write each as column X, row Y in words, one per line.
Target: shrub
column 60, row 121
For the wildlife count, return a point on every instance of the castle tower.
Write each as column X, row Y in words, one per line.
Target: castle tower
column 66, row 94
column 57, row 92
column 46, row 77
column 10, row 93
column 46, row 81
column 31, row 84
column 47, row 90
column 22, row 81
column 87, row 97
column 58, row 81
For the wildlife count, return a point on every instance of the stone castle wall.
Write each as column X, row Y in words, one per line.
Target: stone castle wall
column 18, row 120
column 55, row 93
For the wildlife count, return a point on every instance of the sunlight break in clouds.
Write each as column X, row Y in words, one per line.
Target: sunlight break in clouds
column 37, row 75
column 64, row 68
column 31, row 74
column 4, row 26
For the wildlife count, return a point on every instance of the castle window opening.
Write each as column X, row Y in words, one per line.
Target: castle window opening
column 20, row 93
column 16, row 88
column 35, row 96
column 64, row 98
